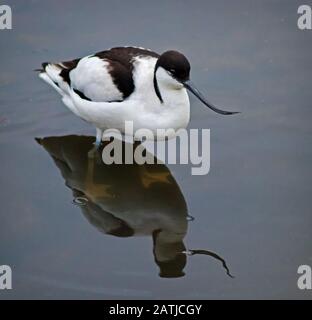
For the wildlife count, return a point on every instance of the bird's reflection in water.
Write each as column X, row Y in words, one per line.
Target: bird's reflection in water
column 127, row 200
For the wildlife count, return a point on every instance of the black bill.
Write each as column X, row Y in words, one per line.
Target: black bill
column 190, row 86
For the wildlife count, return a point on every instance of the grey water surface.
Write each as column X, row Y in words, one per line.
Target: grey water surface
column 125, row 237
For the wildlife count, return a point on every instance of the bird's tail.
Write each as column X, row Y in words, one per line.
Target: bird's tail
column 51, row 74
column 57, row 74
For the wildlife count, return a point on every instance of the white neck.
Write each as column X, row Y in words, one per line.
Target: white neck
column 172, row 93
column 173, row 110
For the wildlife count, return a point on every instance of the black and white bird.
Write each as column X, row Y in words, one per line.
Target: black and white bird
column 127, row 84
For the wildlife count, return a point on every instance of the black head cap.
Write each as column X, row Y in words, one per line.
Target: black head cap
column 172, row 268
column 176, row 64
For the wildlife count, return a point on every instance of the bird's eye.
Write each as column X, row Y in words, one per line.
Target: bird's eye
column 172, row 70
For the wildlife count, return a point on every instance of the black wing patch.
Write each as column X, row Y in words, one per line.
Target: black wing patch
column 120, row 60
column 67, row 66
column 81, row 95
column 121, row 66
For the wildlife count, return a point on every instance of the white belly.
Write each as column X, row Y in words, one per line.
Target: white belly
column 142, row 114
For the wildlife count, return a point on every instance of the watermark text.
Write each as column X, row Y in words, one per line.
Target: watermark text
column 5, row 17
column 5, row 277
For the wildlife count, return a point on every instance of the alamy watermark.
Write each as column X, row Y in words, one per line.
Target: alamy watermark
column 305, row 18
column 5, row 17
column 5, row 277
column 305, row 279
column 193, row 147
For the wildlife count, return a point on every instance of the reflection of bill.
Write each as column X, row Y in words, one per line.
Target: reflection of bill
column 127, row 200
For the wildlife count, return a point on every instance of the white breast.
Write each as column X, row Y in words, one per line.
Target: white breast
column 173, row 113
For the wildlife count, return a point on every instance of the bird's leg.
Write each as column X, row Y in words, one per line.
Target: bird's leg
column 94, row 152
column 98, row 140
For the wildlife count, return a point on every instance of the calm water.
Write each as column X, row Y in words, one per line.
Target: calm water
column 126, row 236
